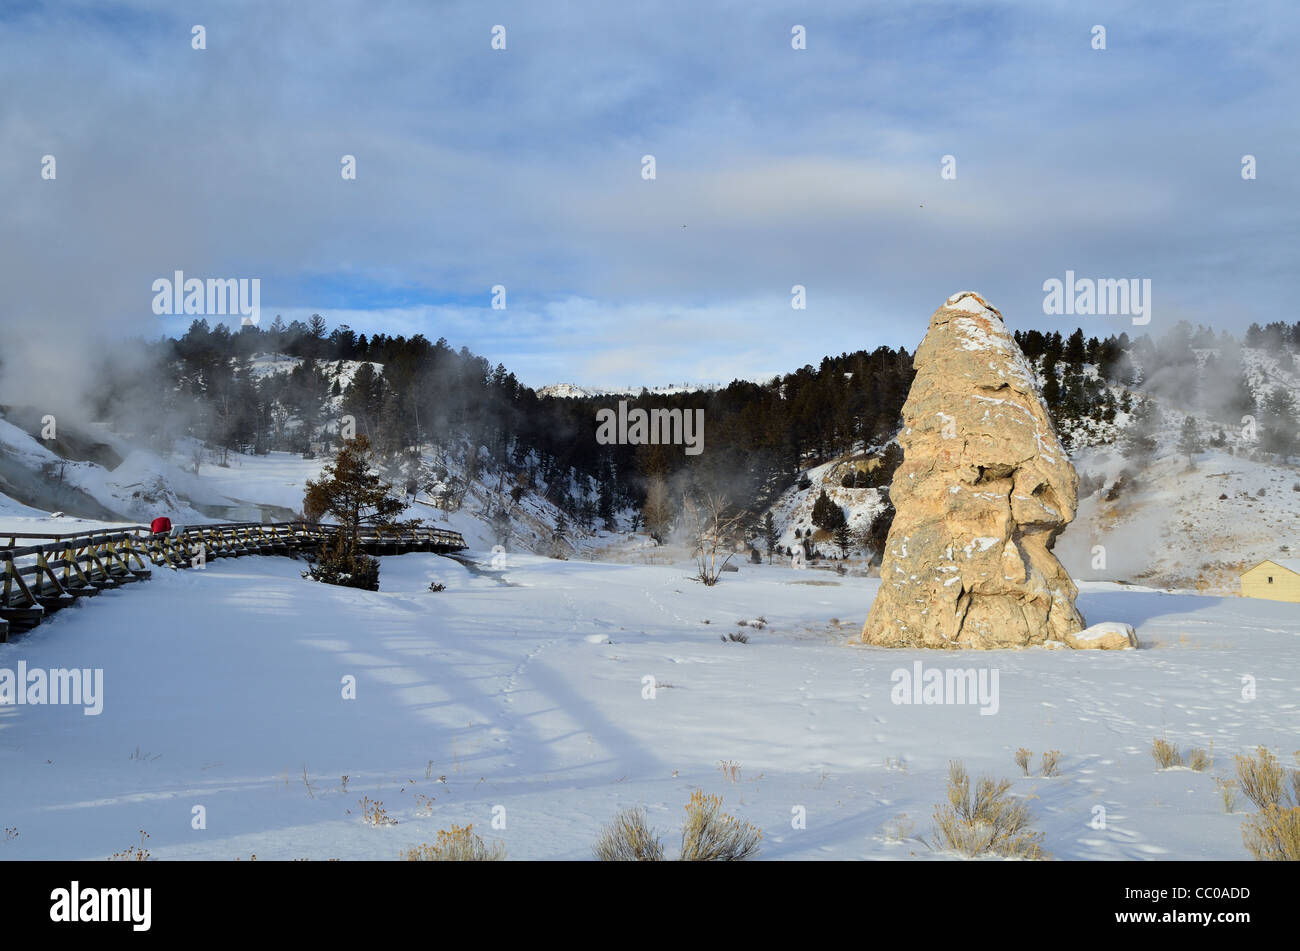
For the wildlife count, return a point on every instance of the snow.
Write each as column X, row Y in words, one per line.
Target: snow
column 1170, row 528
column 792, row 511
column 1097, row 632
column 574, row 391
column 970, row 303
column 524, row 690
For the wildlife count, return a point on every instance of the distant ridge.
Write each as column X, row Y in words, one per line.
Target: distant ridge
column 574, row 391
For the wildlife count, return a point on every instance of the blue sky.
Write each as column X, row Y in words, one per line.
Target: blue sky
column 522, row 167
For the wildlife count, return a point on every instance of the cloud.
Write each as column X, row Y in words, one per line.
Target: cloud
column 523, row 167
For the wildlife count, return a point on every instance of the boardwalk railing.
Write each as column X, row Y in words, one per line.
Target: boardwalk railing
column 45, row 572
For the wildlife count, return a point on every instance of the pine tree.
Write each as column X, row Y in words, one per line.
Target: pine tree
column 843, row 538
column 351, row 491
column 826, row 514
column 1075, row 349
column 1051, row 385
column 1278, row 426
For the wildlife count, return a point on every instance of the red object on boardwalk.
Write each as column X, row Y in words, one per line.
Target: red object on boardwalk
column 161, row 525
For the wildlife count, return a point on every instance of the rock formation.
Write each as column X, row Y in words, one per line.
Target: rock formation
column 984, row 489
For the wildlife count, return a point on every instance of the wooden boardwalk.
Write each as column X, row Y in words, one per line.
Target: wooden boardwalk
column 46, row 572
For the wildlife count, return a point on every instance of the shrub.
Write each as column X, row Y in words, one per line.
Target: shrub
column 628, row 839
column 373, row 812
column 1022, row 759
column 1274, row 834
column 460, row 844
column 987, row 821
column 1051, row 762
column 1260, row 777
column 710, row 835
column 1198, row 760
column 132, row 853
column 1227, row 791
column 1165, row 754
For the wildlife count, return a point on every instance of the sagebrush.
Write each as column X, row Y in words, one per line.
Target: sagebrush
column 986, row 821
column 628, row 838
column 711, row 835
column 457, row 844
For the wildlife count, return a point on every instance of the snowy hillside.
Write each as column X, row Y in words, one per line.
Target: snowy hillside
column 1179, row 526
column 793, row 510
column 1185, row 525
column 573, row 391
column 145, row 485
column 140, row 487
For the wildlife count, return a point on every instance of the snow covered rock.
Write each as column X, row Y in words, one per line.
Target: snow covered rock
column 1107, row 636
column 983, row 491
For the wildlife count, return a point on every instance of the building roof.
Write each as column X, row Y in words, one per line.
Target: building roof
column 1290, row 564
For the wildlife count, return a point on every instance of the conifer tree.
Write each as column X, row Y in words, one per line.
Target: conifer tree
column 353, row 493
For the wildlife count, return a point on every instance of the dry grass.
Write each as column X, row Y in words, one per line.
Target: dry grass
column 1022, row 759
column 1260, row 777
column 986, row 822
column 628, row 838
column 1227, row 792
column 1165, row 754
column 460, row 844
column 730, row 770
column 373, row 814
column 1168, row 756
column 710, row 835
column 1198, row 759
column 1051, row 763
column 1274, row 834
column 134, row 853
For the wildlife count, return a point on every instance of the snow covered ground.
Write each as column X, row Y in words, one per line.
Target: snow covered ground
column 524, row 689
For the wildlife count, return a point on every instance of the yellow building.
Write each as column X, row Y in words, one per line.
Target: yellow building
column 1276, row 580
